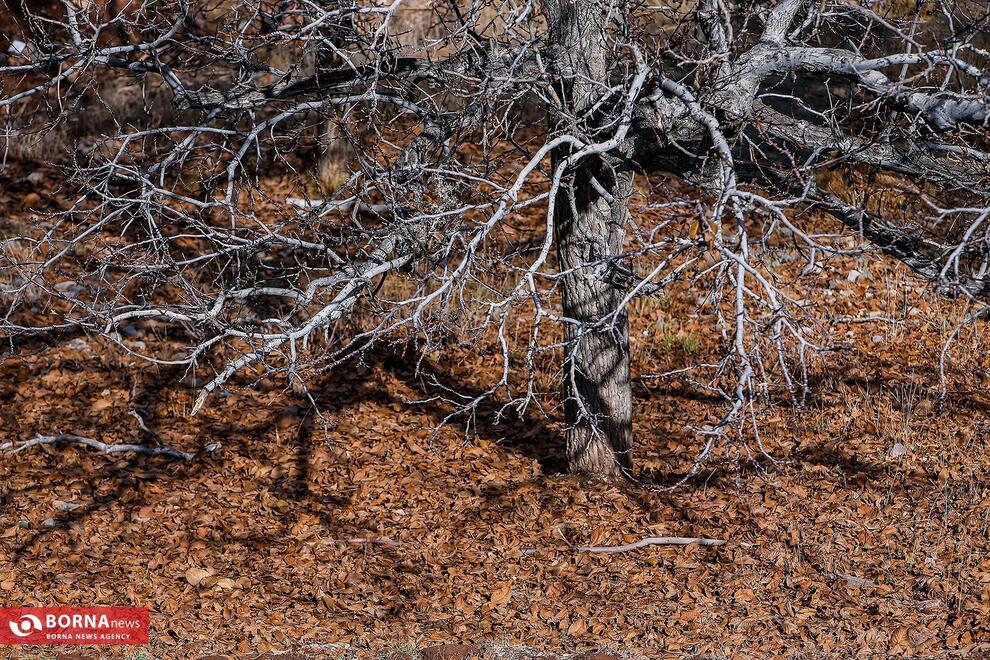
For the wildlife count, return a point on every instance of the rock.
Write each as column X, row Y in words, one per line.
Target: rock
column 49, row 522
column 451, row 652
column 898, row 450
column 858, row 582
column 78, row 344
column 877, row 339
column 69, row 289
column 24, row 524
column 36, row 177
column 66, row 506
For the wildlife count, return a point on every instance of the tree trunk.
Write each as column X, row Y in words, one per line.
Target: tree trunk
column 598, row 405
column 335, row 154
column 590, row 228
column 335, row 150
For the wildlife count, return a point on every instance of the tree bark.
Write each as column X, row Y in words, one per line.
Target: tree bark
column 590, row 228
column 335, row 154
column 598, row 403
column 335, row 150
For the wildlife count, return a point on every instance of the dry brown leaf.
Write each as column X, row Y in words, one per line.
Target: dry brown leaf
column 501, row 595
column 744, row 595
column 195, row 576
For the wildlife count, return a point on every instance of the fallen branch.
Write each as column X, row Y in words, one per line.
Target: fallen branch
column 642, row 543
column 373, row 541
column 866, row 319
column 15, row 447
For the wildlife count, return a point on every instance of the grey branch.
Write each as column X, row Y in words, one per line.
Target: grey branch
column 66, row 438
column 642, row 543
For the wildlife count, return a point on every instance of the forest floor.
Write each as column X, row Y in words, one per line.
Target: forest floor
column 356, row 531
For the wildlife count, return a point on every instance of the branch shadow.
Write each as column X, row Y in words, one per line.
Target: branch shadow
column 525, row 434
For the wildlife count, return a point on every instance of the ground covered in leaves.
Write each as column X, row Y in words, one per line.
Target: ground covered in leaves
column 359, row 530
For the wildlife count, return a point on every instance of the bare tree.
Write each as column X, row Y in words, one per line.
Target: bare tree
column 466, row 116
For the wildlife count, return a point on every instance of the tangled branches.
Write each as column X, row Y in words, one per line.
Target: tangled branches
column 450, row 123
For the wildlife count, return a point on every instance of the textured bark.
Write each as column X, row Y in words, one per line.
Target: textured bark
column 334, row 146
column 598, row 407
column 591, row 228
column 335, row 154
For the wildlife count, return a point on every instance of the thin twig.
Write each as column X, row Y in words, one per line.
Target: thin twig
column 866, row 319
column 15, row 447
column 642, row 543
column 373, row 541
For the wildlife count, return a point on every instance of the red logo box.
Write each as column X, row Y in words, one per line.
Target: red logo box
column 74, row 625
